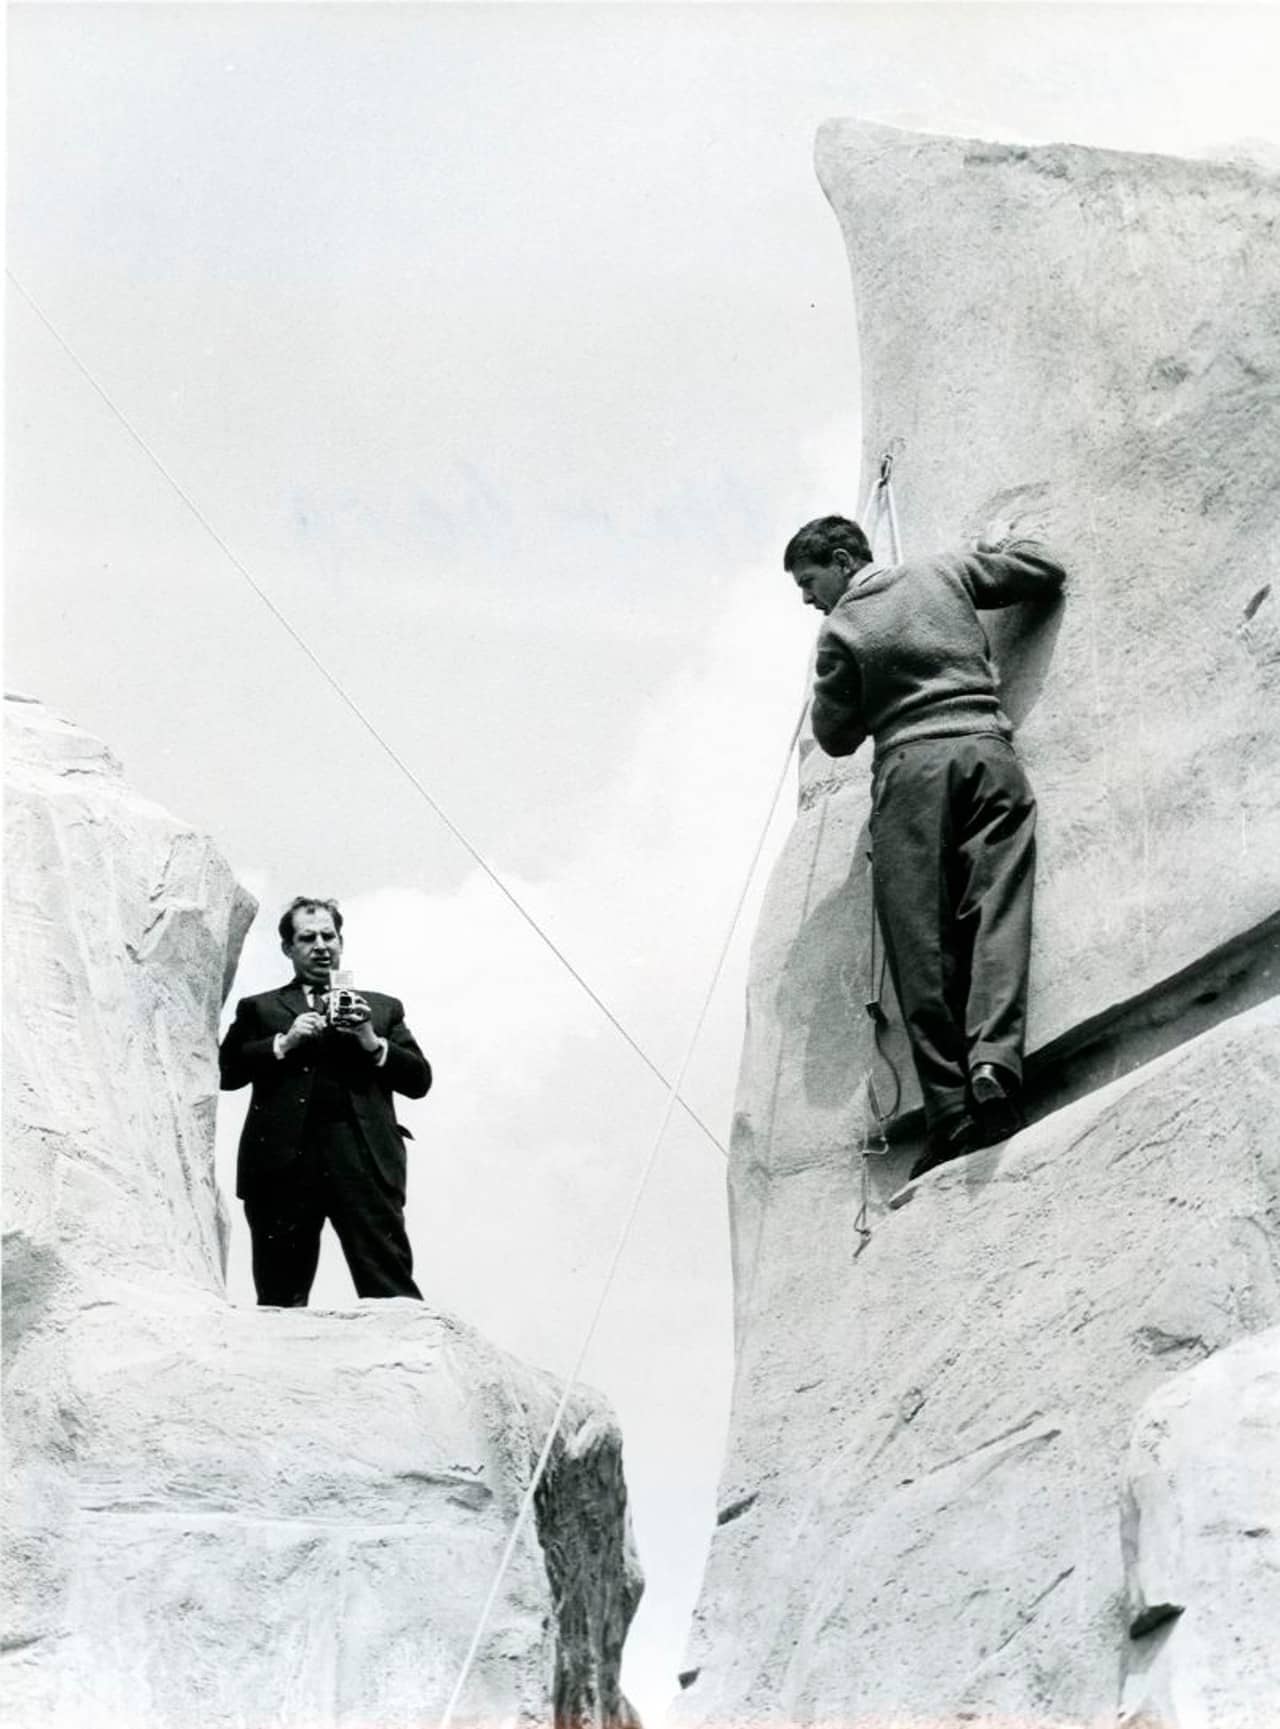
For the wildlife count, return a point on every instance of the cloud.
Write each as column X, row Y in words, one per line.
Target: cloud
column 529, row 1149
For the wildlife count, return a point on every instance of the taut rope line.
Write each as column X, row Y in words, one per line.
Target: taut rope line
column 527, row 1500
column 673, row 1087
column 368, row 725
column 881, row 499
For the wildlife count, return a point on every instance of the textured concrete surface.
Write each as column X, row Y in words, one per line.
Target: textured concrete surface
column 920, row 1505
column 1086, row 344
column 920, row 1508
column 122, row 926
column 1202, row 1546
column 221, row 1516
column 227, row 1518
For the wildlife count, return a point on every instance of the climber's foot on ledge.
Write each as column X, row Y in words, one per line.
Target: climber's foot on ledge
column 996, row 1107
column 948, row 1141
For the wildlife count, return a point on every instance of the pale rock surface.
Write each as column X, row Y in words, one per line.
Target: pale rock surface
column 920, row 1502
column 1085, row 344
column 225, row 1518
column 219, row 1516
column 920, row 1514
column 1202, row 1546
column 122, row 928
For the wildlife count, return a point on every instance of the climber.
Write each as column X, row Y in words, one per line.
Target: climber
column 902, row 658
column 321, row 1138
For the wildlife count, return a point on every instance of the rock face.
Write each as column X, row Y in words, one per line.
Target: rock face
column 921, row 1501
column 1088, row 344
column 221, row 1516
column 920, row 1509
column 1202, row 1544
column 122, row 929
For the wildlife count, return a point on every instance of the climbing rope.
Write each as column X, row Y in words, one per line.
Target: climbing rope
column 875, row 1138
column 673, row 1086
column 544, row 1456
column 336, row 686
column 883, row 498
column 884, row 495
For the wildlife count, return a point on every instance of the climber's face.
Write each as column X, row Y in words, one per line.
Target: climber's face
column 315, row 947
column 822, row 585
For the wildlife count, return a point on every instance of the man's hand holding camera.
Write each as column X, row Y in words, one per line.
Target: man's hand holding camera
column 347, row 1013
column 308, row 1025
column 351, row 1015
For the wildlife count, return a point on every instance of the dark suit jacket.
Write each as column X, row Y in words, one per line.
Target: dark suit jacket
column 272, row 1136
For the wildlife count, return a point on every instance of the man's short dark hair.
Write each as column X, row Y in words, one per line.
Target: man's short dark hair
column 818, row 541
column 310, row 904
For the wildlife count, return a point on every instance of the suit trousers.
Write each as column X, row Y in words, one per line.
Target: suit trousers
column 953, row 849
column 333, row 1178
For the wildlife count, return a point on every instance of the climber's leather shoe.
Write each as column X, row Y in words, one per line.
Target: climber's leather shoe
column 996, row 1107
column 949, row 1141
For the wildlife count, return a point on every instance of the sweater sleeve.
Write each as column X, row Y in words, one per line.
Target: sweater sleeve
column 1012, row 571
column 836, row 711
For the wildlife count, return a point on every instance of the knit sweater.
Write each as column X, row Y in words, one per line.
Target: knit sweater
column 902, row 655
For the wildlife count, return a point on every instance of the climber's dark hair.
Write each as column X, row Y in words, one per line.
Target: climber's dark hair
column 307, row 903
column 818, row 540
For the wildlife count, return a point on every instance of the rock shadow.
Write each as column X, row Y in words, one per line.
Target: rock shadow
column 822, row 996
column 1023, row 639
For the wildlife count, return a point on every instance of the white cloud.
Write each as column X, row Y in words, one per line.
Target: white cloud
column 529, row 1148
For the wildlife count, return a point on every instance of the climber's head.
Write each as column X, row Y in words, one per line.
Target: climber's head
column 823, row 558
column 311, row 936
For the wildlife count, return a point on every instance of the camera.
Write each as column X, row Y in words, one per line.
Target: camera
column 341, row 997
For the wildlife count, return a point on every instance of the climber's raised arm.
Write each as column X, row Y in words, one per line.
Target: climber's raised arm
column 1004, row 571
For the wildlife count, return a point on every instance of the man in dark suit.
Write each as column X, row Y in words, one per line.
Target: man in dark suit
column 321, row 1140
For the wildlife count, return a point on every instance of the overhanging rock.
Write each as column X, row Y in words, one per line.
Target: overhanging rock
column 220, row 1516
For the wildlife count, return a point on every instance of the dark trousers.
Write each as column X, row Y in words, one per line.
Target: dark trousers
column 953, row 848
column 333, row 1178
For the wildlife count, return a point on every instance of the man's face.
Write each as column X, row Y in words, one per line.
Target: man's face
column 315, row 947
column 822, row 585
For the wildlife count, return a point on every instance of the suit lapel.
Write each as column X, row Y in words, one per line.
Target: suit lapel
column 293, row 998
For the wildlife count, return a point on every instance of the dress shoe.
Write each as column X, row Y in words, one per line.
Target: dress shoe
column 995, row 1103
column 949, row 1141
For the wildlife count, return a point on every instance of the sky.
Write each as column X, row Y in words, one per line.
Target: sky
column 503, row 347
